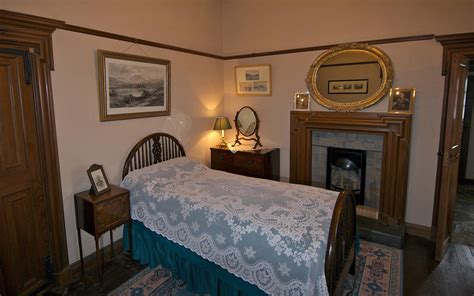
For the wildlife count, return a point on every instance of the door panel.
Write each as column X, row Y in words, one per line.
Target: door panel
column 13, row 155
column 24, row 227
column 451, row 152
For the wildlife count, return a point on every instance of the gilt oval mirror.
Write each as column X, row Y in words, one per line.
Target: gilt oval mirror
column 350, row 77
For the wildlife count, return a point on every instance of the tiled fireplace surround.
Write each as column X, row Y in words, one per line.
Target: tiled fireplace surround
column 371, row 143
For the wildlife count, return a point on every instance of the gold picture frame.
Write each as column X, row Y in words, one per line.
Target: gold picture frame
column 302, row 101
column 253, row 80
column 132, row 86
column 345, row 52
column 402, row 100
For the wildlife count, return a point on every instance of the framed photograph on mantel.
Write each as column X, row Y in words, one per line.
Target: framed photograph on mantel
column 253, row 80
column 402, row 100
column 132, row 86
column 301, row 101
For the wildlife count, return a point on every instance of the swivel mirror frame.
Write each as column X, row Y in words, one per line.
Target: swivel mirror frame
column 257, row 124
column 382, row 59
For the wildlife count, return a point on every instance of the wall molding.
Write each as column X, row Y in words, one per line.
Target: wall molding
column 99, row 33
column 419, row 230
column 328, row 46
column 61, row 25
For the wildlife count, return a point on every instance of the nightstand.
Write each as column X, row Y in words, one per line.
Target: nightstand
column 263, row 163
column 98, row 214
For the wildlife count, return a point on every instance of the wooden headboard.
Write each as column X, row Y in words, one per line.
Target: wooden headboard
column 152, row 149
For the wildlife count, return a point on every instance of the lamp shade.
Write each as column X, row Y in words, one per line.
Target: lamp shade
column 222, row 123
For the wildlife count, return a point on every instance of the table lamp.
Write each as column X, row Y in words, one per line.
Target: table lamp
column 221, row 124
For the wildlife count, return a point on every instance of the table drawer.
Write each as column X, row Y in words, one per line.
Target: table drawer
column 112, row 213
column 249, row 165
column 221, row 160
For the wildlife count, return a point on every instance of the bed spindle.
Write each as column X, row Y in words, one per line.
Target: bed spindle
column 152, row 149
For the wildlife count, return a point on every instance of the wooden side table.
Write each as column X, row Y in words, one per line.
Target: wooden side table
column 99, row 214
column 263, row 163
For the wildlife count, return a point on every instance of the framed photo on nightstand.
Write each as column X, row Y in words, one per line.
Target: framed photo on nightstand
column 98, row 179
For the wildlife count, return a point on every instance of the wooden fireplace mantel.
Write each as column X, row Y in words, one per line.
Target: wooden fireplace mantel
column 395, row 129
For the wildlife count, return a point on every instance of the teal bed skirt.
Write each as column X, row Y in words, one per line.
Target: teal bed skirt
column 201, row 276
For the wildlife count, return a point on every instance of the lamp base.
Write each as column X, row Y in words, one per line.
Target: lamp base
column 223, row 143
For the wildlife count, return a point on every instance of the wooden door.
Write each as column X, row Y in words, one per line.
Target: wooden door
column 451, row 151
column 24, row 229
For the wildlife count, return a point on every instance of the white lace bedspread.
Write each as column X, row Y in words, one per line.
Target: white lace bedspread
column 268, row 233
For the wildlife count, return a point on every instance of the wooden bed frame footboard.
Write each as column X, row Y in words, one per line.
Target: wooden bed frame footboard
column 340, row 253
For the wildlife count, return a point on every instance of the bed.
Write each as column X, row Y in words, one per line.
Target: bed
column 226, row 234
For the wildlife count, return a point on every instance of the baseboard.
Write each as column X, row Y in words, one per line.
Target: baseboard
column 418, row 230
column 73, row 271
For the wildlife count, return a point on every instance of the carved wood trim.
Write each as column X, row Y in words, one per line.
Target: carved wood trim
column 455, row 43
column 51, row 24
column 31, row 31
column 33, row 34
column 452, row 44
column 395, row 128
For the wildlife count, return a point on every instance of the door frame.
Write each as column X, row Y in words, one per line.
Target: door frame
column 34, row 34
column 452, row 44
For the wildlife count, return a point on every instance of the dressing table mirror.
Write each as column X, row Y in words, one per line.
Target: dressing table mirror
column 246, row 124
column 350, row 77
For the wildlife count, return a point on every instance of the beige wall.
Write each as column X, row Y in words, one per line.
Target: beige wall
column 263, row 25
column 253, row 26
column 196, row 90
column 187, row 23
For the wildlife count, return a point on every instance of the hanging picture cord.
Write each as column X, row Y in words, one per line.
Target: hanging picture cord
column 135, row 43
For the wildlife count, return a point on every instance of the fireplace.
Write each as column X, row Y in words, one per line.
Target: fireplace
column 346, row 169
column 385, row 137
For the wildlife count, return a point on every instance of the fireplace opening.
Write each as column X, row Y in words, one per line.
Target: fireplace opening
column 345, row 169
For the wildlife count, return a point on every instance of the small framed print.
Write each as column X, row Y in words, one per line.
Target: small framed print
column 98, row 179
column 301, row 101
column 356, row 86
column 402, row 100
column 253, row 80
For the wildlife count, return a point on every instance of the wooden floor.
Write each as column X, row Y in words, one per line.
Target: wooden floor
column 422, row 275
column 116, row 272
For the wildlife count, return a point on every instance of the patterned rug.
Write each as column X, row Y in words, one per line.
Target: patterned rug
column 378, row 272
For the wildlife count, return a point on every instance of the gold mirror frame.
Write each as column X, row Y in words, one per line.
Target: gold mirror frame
column 385, row 65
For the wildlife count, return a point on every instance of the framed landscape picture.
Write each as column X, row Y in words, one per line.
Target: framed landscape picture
column 132, row 86
column 253, row 80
